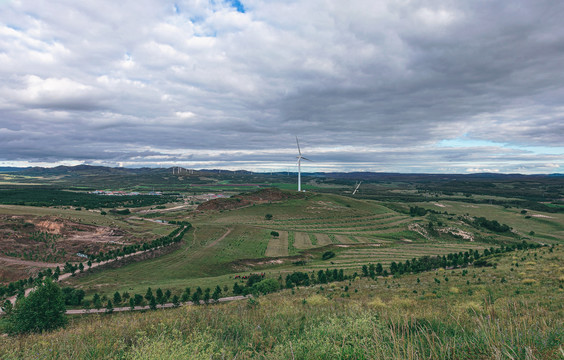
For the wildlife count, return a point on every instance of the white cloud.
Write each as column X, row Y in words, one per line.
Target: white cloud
column 372, row 78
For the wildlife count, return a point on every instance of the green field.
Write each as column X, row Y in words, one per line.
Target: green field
column 237, row 242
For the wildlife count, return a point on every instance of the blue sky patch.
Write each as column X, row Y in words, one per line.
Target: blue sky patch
column 237, row 5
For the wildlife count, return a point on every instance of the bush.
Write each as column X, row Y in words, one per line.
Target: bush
column 42, row 310
column 268, row 217
column 328, row 255
column 266, row 286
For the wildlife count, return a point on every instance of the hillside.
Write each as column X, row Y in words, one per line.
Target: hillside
column 513, row 310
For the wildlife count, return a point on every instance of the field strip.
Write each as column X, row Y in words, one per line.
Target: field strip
column 344, row 239
column 362, row 239
column 323, row 239
column 339, row 223
column 301, row 241
column 344, row 225
column 353, row 218
column 278, row 246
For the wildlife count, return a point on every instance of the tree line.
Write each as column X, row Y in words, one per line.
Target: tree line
column 54, row 197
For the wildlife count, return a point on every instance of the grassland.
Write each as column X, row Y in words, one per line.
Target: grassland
column 510, row 311
column 238, row 242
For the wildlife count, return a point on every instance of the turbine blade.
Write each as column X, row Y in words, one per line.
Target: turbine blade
column 297, row 142
column 306, row 159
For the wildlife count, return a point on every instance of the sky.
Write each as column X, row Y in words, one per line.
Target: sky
column 407, row 86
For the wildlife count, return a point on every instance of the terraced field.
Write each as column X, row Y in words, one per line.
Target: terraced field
column 355, row 256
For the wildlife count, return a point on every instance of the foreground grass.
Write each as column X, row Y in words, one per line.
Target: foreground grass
column 492, row 313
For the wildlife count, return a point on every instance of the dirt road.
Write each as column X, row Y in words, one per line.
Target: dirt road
column 14, row 261
column 215, row 242
column 165, row 306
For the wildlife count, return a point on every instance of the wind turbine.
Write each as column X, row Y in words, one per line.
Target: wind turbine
column 300, row 157
column 357, row 186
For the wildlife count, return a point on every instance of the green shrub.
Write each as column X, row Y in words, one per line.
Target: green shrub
column 42, row 310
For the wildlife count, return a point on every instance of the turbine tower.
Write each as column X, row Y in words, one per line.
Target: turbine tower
column 356, row 189
column 300, row 157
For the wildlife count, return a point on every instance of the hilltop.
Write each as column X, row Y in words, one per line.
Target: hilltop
column 262, row 196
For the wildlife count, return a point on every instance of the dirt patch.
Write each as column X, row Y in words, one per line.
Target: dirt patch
column 269, row 262
column 439, row 205
column 419, row 229
column 457, row 233
column 99, row 235
column 542, row 216
column 52, row 227
column 31, row 242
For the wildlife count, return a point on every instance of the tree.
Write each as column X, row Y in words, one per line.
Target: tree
column 196, row 298
column 237, row 289
column 216, row 293
column 274, row 234
column 379, row 269
column 153, row 303
column 167, row 294
column 160, row 297
column 117, row 298
column 80, row 267
column 207, row 295
column 138, row 299
column 268, row 216
column 109, row 307
column 148, row 294
column 96, row 301
column 175, row 301
column 131, row 303
column 42, row 310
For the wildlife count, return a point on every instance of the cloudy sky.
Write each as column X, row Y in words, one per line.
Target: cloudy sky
column 375, row 85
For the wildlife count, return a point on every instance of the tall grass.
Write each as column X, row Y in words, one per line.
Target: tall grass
column 284, row 326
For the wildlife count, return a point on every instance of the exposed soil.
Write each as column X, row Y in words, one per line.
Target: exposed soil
column 29, row 243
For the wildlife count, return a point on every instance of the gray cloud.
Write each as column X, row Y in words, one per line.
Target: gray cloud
column 198, row 83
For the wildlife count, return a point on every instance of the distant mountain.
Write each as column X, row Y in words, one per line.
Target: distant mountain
column 11, row 169
column 89, row 170
column 73, row 170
